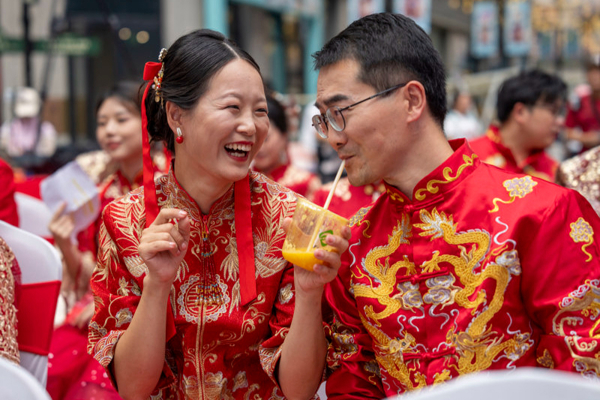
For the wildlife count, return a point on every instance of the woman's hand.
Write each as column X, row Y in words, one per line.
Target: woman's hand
column 315, row 280
column 61, row 226
column 164, row 244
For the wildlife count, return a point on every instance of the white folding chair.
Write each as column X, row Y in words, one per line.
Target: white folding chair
column 34, row 215
column 321, row 391
column 41, row 274
column 16, row 383
column 520, row 384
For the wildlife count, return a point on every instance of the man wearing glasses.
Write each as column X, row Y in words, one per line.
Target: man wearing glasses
column 460, row 266
column 531, row 110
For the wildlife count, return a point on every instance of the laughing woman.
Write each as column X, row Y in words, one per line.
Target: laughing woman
column 193, row 297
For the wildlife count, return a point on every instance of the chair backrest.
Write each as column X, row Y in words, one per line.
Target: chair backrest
column 41, row 274
column 38, row 259
column 520, row 384
column 34, row 215
column 16, row 383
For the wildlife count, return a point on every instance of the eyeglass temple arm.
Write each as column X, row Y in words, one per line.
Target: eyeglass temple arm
column 375, row 95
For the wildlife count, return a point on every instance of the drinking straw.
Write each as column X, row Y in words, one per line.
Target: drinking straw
column 326, row 206
column 335, row 182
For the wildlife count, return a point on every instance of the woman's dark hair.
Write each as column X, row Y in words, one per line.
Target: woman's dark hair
column 189, row 65
column 128, row 92
column 277, row 114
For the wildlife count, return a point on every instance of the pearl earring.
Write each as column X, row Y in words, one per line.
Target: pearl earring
column 179, row 138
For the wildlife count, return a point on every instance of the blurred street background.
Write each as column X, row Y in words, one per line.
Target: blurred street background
column 70, row 51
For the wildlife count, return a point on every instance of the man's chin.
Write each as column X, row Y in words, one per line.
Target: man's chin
column 358, row 181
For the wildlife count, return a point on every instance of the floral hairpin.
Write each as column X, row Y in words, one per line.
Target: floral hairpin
column 158, row 79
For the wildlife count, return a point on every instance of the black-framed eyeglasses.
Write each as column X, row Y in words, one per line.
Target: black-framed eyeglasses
column 336, row 118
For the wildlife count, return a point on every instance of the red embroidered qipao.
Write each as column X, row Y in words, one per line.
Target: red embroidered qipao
column 490, row 150
column 219, row 348
column 483, row 269
column 298, row 180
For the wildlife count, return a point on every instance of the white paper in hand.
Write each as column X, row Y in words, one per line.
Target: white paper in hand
column 72, row 185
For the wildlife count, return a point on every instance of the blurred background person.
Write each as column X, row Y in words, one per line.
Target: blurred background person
column 25, row 135
column 530, row 109
column 74, row 374
column 461, row 122
column 347, row 200
column 318, row 155
column 273, row 157
column 583, row 115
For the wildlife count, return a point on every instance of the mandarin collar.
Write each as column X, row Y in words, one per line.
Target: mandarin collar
column 442, row 179
column 172, row 195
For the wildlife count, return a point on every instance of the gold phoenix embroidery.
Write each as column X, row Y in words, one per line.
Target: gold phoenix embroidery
column 431, row 185
column 581, row 231
column 517, row 187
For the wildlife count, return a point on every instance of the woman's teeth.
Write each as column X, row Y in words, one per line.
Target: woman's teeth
column 238, row 150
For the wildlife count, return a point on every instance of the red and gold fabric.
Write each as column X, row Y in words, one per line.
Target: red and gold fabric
column 482, row 269
column 219, row 345
column 8, row 206
column 74, row 374
column 348, row 199
column 490, row 150
column 298, row 180
column 9, row 270
column 111, row 188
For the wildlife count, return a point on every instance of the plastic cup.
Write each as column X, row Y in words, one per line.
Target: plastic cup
column 310, row 226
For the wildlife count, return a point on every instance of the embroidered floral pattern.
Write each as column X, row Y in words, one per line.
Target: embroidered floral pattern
column 517, row 188
column 581, row 231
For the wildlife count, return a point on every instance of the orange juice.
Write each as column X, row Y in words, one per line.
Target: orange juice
column 301, row 258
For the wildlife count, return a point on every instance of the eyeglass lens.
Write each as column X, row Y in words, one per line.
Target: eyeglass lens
column 336, row 118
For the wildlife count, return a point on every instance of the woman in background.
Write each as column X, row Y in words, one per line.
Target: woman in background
column 273, row 160
column 72, row 373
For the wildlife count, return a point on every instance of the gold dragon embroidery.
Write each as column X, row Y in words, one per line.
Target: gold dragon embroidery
column 586, row 302
column 478, row 346
column 384, row 274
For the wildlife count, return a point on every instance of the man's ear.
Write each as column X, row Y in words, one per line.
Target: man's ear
column 174, row 115
column 415, row 100
column 520, row 112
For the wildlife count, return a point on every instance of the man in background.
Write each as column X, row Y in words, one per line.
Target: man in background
column 530, row 111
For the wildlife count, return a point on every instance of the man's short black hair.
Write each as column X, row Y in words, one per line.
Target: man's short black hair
column 390, row 49
column 529, row 88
